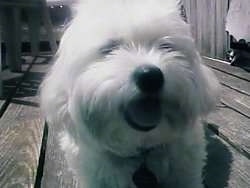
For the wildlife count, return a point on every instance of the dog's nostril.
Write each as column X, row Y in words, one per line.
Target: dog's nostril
column 148, row 78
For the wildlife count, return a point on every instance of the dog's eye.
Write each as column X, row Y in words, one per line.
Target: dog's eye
column 110, row 46
column 165, row 46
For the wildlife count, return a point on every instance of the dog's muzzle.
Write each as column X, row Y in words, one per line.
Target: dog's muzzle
column 143, row 112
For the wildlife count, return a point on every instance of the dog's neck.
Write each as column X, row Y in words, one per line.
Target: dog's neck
column 142, row 177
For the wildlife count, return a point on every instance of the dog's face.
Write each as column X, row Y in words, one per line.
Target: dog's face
column 138, row 85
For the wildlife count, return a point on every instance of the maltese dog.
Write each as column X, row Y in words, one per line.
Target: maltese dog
column 129, row 86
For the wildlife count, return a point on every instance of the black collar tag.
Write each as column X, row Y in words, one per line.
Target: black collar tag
column 144, row 178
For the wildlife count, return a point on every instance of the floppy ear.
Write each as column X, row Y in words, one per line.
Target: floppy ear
column 209, row 90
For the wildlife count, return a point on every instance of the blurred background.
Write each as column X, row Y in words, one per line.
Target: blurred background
column 33, row 27
column 29, row 28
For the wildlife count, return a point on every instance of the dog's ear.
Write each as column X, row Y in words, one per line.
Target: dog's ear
column 209, row 90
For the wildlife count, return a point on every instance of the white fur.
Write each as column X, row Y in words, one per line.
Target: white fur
column 85, row 89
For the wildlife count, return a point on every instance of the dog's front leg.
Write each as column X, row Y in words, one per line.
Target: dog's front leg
column 181, row 163
column 103, row 171
column 186, row 166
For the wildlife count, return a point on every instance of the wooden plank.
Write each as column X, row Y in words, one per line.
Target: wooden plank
column 21, row 132
column 20, row 148
column 233, row 82
column 233, row 127
column 237, row 101
column 225, row 168
column 233, row 119
column 226, row 68
column 56, row 171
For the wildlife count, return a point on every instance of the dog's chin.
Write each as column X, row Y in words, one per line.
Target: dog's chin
column 143, row 113
column 138, row 152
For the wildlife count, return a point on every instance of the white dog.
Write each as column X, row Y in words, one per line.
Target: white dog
column 129, row 85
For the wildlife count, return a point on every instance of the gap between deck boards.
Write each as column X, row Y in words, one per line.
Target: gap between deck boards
column 40, row 168
column 230, row 99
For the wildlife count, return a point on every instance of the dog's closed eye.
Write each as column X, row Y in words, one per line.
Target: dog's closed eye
column 164, row 45
column 110, row 46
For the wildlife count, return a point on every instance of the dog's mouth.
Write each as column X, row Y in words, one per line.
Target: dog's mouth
column 143, row 113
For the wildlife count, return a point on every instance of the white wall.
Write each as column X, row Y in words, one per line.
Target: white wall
column 207, row 18
column 238, row 19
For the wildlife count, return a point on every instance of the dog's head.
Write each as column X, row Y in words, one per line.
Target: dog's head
column 128, row 77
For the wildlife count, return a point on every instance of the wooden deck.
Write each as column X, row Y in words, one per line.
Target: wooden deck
column 30, row 156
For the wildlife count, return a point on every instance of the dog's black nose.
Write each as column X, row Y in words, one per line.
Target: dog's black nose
column 148, row 78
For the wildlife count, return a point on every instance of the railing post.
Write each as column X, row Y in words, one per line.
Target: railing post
column 1, row 83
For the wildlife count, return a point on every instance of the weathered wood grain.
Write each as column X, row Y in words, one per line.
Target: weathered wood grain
column 233, row 83
column 226, row 68
column 225, row 167
column 232, row 119
column 236, row 101
column 20, row 148
column 56, row 171
column 230, row 77
column 233, row 127
column 21, row 132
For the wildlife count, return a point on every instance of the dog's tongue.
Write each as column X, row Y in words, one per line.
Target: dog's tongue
column 143, row 113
